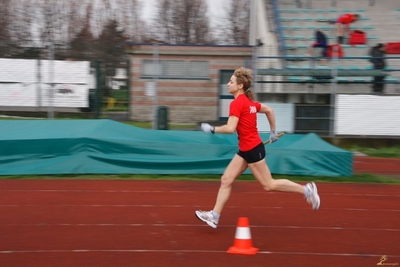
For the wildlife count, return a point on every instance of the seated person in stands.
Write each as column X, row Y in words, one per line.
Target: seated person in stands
column 320, row 41
column 343, row 25
column 377, row 53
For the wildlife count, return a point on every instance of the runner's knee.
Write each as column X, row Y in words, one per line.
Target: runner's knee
column 226, row 180
column 269, row 186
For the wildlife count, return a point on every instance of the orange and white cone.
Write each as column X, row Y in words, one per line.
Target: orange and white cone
column 243, row 243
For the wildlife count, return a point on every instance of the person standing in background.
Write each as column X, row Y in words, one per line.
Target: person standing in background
column 322, row 42
column 343, row 25
column 377, row 53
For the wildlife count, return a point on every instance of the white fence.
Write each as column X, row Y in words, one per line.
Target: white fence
column 29, row 83
column 367, row 115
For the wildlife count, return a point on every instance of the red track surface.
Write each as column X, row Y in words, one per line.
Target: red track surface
column 377, row 166
column 152, row 223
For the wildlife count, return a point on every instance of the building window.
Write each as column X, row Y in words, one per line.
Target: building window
column 175, row 69
column 149, row 68
column 198, row 69
column 172, row 68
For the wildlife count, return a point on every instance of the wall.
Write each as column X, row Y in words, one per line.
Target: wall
column 189, row 100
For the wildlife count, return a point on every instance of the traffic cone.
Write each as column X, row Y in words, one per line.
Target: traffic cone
column 243, row 243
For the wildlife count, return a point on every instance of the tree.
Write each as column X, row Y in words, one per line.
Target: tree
column 234, row 27
column 51, row 18
column 111, row 43
column 35, row 24
column 127, row 13
column 182, row 22
column 81, row 47
column 17, row 24
column 30, row 26
column 110, row 48
column 78, row 23
column 4, row 34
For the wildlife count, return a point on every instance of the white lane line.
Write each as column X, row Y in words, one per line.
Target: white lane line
column 190, row 251
column 182, row 206
column 197, row 225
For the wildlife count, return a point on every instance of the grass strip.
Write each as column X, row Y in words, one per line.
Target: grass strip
column 357, row 178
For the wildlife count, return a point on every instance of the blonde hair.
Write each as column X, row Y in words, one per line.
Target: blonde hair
column 245, row 76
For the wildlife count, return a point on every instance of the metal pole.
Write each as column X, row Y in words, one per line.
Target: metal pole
column 128, row 88
column 255, row 68
column 253, row 23
column 156, row 65
column 98, row 89
column 51, row 77
column 335, row 53
column 38, row 86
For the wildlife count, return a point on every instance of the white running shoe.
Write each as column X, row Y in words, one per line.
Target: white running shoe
column 313, row 197
column 207, row 217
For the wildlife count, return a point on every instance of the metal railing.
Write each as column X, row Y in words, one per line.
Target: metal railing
column 279, row 33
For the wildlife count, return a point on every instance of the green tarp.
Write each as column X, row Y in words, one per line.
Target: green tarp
column 35, row 147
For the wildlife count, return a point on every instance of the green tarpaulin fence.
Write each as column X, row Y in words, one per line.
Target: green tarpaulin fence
column 32, row 147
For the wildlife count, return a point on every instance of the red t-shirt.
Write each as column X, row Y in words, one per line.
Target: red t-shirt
column 246, row 111
column 346, row 19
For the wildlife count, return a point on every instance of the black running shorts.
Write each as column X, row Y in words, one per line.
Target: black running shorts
column 254, row 155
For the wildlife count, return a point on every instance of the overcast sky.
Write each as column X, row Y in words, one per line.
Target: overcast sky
column 216, row 8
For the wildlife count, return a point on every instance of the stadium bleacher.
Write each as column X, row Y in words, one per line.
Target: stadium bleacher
column 379, row 20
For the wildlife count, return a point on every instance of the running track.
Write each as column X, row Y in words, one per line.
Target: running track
column 382, row 166
column 151, row 223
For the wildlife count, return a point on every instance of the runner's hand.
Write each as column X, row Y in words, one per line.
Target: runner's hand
column 207, row 128
column 273, row 137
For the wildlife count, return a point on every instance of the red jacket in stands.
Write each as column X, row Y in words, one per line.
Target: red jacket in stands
column 346, row 19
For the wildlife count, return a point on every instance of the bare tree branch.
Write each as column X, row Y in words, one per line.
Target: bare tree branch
column 182, row 22
column 38, row 23
column 233, row 28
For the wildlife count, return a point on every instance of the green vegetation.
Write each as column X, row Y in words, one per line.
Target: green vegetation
column 382, row 152
column 120, row 94
column 359, row 178
column 118, row 101
column 12, row 118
